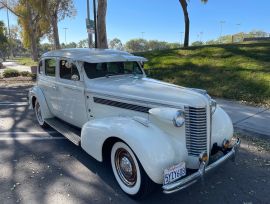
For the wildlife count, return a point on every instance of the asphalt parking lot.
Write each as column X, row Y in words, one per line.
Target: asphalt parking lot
column 40, row 166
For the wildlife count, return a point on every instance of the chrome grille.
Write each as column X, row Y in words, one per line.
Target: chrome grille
column 196, row 130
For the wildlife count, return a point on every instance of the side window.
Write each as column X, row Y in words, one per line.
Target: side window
column 50, row 66
column 69, row 71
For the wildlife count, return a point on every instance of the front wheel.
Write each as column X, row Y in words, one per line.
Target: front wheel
column 39, row 116
column 129, row 173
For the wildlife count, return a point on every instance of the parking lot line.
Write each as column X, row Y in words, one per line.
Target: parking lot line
column 13, row 103
column 31, row 138
column 28, row 133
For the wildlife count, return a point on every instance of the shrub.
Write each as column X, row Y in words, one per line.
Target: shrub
column 34, row 76
column 25, row 74
column 11, row 73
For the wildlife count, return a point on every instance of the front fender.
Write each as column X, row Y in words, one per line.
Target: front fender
column 222, row 127
column 37, row 92
column 154, row 148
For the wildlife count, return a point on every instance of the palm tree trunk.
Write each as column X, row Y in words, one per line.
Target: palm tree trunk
column 185, row 11
column 101, row 24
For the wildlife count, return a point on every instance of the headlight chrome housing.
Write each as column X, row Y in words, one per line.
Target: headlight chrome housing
column 179, row 119
column 213, row 106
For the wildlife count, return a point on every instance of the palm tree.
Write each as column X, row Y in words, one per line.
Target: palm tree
column 187, row 22
column 101, row 24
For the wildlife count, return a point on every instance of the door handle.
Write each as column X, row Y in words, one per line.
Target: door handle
column 68, row 87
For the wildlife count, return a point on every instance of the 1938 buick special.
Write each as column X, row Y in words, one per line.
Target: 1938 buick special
column 152, row 132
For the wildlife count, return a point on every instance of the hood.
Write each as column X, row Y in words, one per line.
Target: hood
column 147, row 90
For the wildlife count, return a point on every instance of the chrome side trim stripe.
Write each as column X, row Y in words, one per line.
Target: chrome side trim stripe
column 121, row 105
column 99, row 94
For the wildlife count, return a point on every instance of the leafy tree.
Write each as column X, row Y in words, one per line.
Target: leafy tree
column 116, row 44
column 83, row 43
column 210, row 42
column 57, row 10
column 137, row 45
column 256, row 34
column 45, row 47
column 197, row 43
column 3, row 40
column 34, row 25
column 102, row 41
column 157, row 45
column 69, row 45
column 184, row 6
column 174, row 45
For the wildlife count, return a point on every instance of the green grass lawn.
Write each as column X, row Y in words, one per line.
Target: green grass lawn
column 27, row 61
column 234, row 71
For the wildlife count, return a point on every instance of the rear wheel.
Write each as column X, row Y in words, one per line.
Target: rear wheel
column 129, row 173
column 39, row 116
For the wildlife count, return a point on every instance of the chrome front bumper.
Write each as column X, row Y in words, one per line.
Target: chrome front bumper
column 203, row 169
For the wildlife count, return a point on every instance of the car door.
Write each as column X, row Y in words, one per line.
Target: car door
column 71, row 92
column 47, row 82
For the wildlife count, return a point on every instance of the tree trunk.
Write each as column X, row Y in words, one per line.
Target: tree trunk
column 101, row 24
column 34, row 49
column 32, row 34
column 54, row 23
column 185, row 11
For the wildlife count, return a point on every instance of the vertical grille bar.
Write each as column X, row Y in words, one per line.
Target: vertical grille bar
column 196, row 130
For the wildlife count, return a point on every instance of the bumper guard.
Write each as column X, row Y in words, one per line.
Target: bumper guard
column 203, row 169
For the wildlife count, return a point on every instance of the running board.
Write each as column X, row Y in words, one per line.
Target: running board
column 71, row 133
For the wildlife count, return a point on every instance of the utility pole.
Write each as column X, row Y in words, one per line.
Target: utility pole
column 142, row 34
column 221, row 29
column 88, row 26
column 238, row 26
column 95, row 22
column 65, row 35
column 201, row 35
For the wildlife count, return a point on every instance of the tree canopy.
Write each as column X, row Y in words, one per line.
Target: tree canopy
column 3, row 40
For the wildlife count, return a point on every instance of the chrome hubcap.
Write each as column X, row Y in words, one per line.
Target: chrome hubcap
column 125, row 167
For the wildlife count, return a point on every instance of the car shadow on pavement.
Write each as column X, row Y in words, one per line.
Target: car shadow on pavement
column 56, row 171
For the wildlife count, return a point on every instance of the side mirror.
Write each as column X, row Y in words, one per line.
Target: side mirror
column 75, row 77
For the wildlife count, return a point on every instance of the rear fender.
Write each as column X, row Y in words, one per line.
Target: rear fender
column 36, row 93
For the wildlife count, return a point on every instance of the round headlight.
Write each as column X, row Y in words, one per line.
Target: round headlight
column 179, row 119
column 213, row 105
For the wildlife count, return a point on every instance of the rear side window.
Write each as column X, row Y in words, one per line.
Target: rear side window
column 50, row 66
column 67, row 70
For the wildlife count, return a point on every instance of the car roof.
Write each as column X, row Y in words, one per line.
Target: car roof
column 94, row 55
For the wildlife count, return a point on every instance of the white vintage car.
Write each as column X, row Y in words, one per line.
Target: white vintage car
column 152, row 132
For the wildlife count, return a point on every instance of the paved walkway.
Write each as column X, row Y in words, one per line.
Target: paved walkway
column 15, row 65
column 248, row 118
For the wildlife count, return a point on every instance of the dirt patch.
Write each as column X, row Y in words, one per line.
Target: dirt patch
column 15, row 81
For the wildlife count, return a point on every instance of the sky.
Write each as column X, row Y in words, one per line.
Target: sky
column 163, row 19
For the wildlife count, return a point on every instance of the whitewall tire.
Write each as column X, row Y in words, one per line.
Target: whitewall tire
column 128, row 171
column 39, row 115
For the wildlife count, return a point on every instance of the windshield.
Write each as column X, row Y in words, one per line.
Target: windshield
column 96, row 70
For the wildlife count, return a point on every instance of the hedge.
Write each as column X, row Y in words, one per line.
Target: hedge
column 11, row 73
